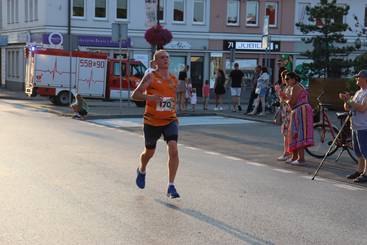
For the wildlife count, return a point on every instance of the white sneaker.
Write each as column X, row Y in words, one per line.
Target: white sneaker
column 262, row 114
column 216, row 108
column 221, row 108
column 298, row 163
column 283, row 158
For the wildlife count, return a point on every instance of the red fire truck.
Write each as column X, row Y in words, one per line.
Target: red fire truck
column 55, row 73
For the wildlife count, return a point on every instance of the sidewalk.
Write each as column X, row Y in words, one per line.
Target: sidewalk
column 113, row 109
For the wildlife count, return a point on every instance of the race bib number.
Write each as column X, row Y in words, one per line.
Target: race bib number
column 166, row 104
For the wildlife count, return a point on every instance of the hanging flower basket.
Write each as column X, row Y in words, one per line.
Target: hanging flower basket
column 158, row 36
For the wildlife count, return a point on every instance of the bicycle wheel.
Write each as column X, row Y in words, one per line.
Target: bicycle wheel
column 323, row 138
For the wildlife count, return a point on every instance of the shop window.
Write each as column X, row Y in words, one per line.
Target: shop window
column 271, row 10
column 78, row 8
column 233, row 12
column 177, row 63
column 178, row 10
column 100, row 9
column 199, row 11
column 252, row 8
column 121, row 9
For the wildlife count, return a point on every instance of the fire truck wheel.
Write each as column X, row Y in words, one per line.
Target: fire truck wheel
column 63, row 98
column 140, row 103
column 53, row 99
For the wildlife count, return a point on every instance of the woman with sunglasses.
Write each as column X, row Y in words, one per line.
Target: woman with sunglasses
column 283, row 92
column 300, row 129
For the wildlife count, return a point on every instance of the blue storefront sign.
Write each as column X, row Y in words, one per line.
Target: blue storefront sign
column 99, row 41
column 3, row 41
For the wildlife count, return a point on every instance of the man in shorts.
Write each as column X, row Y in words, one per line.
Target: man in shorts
column 236, row 76
column 358, row 107
column 158, row 89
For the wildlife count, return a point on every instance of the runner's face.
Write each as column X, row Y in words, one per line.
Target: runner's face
column 162, row 60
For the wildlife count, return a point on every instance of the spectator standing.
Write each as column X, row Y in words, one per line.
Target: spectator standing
column 283, row 92
column 253, row 95
column 182, row 80
column 300, row 129
column 261, row 89
column 236, row 77
column 219, row 89
column 188, row 92
column 206, row 94
column 193, row 99
column 358, row 107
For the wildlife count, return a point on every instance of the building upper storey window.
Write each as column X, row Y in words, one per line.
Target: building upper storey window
column 302, row 15
column 178, row 10
column 78, row 8
column 100, row 9
column 252, row 10
column 233, row 12
column 365, row 16
column 121, row 9
column 13, row 11
column 199, row 11
column 271, row 10
column 161, row 11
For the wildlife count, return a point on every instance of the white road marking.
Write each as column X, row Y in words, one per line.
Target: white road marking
column 183, row 121
column 254, row 163
column 233, row 158
column 212, row 153
column 349, row 187
column 192, row 148
column 131, row 122
column 283, row 171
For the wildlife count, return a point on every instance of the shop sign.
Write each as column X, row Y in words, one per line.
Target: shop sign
column 178, row 45
column 216, row 54
column 54, row 38
column 3, row 41
column 100, row 41
column 249, row 45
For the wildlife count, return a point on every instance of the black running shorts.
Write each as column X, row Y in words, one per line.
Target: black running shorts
column 153, row 133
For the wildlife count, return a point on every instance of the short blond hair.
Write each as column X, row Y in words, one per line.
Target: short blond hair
column 158, row 52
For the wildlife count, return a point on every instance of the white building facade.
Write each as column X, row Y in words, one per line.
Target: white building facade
column 39, row 22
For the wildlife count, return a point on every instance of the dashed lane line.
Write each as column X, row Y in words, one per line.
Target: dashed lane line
column 283, row 171
column 257, row 164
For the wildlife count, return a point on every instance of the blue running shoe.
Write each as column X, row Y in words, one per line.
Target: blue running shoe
column 171, row 192
column 140, row 179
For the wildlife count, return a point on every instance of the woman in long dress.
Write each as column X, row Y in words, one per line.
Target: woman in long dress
column 300, row 129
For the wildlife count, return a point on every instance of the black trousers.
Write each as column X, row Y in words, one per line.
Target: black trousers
column 250, row 105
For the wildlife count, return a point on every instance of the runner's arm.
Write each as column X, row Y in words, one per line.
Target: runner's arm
column 139, row 93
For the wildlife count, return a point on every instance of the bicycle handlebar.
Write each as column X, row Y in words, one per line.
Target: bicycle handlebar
column 318, row 97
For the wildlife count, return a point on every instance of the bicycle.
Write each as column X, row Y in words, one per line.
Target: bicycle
column 325, row 133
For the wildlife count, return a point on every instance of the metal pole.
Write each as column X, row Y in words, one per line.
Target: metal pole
column 120, row 50
column 70, row 50
column 332, row 144
column 128, row 73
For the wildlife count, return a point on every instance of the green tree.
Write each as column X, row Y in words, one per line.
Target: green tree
column 325, row 33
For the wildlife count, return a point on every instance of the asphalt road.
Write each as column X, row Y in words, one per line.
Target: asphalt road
column 64, row 181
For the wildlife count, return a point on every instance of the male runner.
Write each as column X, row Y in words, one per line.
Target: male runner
column 158, row 89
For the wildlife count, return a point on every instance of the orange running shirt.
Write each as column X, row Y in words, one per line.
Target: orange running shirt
column 164, row 112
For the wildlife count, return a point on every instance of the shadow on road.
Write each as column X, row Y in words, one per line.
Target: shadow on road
column 244, row 236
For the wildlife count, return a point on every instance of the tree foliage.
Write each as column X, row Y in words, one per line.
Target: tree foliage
column 325, row 33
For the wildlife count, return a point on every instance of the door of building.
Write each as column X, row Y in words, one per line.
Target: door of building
column 196, row 73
